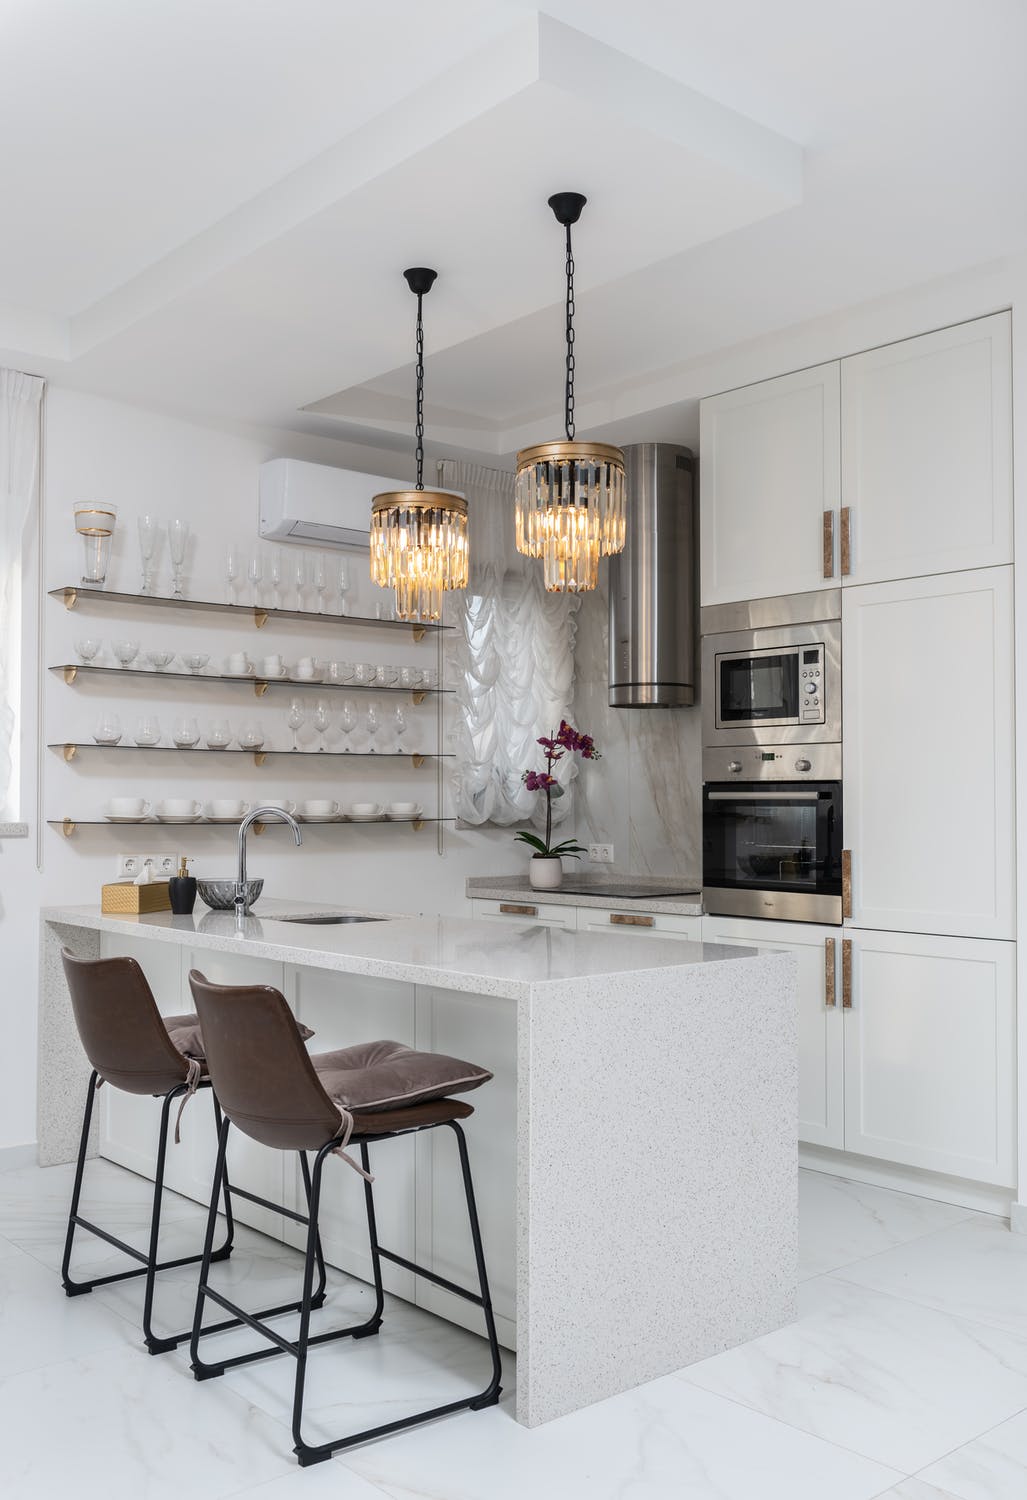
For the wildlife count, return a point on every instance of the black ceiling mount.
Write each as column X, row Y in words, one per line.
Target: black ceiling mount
column 567, row 207
column 420, row 279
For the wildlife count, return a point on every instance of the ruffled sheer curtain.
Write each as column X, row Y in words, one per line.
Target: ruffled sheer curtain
column 20, row 397
column 511, row 661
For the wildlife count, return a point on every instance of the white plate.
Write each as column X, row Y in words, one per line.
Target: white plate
column 405, row 817
column 227, row 673
column 321, row 817
column 179, row 817
column 122, row 818
column 236, row 818
column 366, row 817
column 270, row 676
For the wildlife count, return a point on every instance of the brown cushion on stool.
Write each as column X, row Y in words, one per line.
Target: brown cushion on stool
column 186, row 1035
column 410, row 1117
column 389, row 1076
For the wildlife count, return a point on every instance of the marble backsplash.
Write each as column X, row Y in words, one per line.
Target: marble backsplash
column 645, row 795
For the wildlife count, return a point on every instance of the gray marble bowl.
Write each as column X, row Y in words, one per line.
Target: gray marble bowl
column 219, row 895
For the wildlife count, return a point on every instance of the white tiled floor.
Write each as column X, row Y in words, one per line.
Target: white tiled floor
column 905, row 1377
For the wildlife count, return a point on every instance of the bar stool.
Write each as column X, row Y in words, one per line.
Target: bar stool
column 132, row 1047
column 274, row 1091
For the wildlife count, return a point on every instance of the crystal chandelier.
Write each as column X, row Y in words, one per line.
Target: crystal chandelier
column 419, row 536
column 570, row 495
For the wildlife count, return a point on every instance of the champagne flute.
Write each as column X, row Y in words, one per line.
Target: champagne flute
column 373, row 725
column 399, row 726
column 348, row 721
column 231, row 574
column 277, row 578
column 299, row 575
column 147, row 547
column 178, row 540
column 321, row 721
column 255, row 573
column 321, row 580
column 296, row 720
column 342, row 584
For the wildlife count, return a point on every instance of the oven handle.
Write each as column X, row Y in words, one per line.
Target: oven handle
column 763, row 796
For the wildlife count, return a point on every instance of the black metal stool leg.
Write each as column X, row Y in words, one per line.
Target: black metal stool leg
column 155, row 1345
column 491, row 1394
column 201, row 1370
column 322, row 1275
column 225, row 1250
column 374, row 1323
column 73, row 1288
column 305, row 1454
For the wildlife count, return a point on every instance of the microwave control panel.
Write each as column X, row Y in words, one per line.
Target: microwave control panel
column 811, row 684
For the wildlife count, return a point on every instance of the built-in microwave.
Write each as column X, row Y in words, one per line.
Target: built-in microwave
column 778, row 680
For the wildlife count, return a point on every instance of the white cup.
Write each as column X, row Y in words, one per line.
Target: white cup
column 128, row 807
column 178, row 807
column 237, row 662
column 365, row 809
column 227, row 807
column 272, row 666
column 282, row 803
column 403, row 809
column 319, row 808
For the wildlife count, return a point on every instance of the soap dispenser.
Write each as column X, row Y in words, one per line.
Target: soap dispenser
column 182, row 890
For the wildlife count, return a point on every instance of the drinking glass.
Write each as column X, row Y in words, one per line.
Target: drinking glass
column 232, row 568
column 159, row 660
column 348, row 721
column 321, row 721
column 388, row 676
column 147, row 730
column 255, row 573
column 186, row 733
column 296, row 720
column 196, row 660
column 148, row 529
column 251, row 737
column 399, row 727
column 219, row 734
column 277, row 575
column 373, row 725
column 342, row 584
column 178, row 540
column 126, row 652
column 87, row 649
column 108, row 729
column 299, row 577
column 94, row 522
column 321, row 580
column 364, row 673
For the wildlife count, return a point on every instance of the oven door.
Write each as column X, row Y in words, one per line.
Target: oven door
column 773, row 850
column 758, row 688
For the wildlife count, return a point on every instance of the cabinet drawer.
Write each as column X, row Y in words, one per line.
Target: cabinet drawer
column 525, row 910
column 641, row 923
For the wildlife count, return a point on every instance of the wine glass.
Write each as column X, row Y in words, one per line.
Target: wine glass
column 232, row 566
column 219, row 735
column 147, row 547
column 321, row 580
column 186, row 733
column 373, row 725
column 277, row 576
column 348, row 721
column 299, row 577
column 87, row 649
column 321, row 721
column 251, row 737
column 342, row 584
column 255, row 573
column 296, row 720
column 147, row 730
column 108, row 729
column 178, row 540
column 399, row 727
column 126, row 652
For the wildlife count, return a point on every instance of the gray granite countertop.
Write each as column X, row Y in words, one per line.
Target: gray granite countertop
column 518, row 888
column 14, row 830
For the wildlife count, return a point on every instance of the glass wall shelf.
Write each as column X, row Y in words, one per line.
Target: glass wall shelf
column 71, row 749
column 69, row 826
column 72, row 670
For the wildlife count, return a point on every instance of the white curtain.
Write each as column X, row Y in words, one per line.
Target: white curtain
column 511, row 661
column 20, row 397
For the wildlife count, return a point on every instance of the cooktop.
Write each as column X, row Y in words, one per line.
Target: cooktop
column 628, row 892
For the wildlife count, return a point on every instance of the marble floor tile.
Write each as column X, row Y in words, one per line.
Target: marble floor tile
column 122, row 1426
column 34, row 1203
column 39, row 1324
column 9, row 1248
column 329, row 1481
column 898, row 1382
column 841, row 1221
column 663, row 1441
column 992, row 1467
column 916, row 1489
column 976, row 1270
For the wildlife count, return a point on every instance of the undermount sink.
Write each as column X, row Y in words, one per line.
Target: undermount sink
column 329, row 919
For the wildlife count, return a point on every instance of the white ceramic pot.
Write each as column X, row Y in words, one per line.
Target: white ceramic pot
column 545, row 872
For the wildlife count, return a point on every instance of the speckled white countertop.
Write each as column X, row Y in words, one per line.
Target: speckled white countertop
column 450, row 952
column 518, row 888
column 14, row 830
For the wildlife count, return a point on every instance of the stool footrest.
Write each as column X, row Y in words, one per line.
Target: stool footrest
column 447, row 1286
column 275, row 1208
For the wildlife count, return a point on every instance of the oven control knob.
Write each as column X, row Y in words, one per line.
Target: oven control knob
column 734, row 765
column 804, row 765
column 811, row 687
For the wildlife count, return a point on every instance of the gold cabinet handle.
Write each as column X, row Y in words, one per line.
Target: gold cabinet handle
column 509, row 910
column 846, row 973
column 845, row 543
column 829, row 990
column 828, row 543
column 628, row 919
column 846, row 882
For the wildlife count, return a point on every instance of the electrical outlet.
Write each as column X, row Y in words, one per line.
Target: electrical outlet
column 165, row 865
column 161, row 865
column 129, row 866
column 601, row 854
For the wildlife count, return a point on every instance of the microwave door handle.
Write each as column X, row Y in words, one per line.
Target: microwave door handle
column 763, row 796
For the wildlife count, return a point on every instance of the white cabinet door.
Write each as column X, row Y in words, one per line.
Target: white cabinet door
column 640, row 923
column 927, row 453
column 928, row 753
column 525, row 909
column 821, row 1066
column 770, row 469
column 930, row 1041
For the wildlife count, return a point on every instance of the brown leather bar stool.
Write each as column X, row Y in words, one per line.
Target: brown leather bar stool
column 132, row 1047
column 274, row 1091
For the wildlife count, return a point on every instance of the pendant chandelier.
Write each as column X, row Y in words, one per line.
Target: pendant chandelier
column 419, row 536
column 570, row 495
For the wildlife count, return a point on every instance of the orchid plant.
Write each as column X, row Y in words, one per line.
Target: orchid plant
column 566, row 741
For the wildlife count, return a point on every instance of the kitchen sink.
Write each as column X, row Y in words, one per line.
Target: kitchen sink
column 329, row 919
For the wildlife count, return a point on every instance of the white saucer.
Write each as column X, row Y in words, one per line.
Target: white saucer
column 122, row 818
column 179, row 817
column 227, row 673
column 308, row 681
column 321, row 817
column 366, row 817
column 235, row 818
column 405, row 817
column 270, row 676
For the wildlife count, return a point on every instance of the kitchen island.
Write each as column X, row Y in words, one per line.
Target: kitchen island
column 634, row 1156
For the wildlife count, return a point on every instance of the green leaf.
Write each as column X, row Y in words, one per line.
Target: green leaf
column 571, row 848
column 534, row 840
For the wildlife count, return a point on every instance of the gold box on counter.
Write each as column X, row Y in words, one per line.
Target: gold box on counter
column 121, row 898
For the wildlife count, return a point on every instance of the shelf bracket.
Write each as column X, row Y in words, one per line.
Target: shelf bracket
column 260, row 688
column 418, row 632
column 418, row 761
column 70, row 673
column 417, row 697
column 68, row 827
column 258, row 828
column 417, row 824
column 260, row 618
column 69, row 597
column 69, row 752
column 259, row 757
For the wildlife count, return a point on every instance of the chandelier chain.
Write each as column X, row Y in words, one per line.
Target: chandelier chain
column 419, row 421
column 568, row 396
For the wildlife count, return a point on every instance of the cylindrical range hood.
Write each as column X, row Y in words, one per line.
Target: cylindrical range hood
column 652, row 583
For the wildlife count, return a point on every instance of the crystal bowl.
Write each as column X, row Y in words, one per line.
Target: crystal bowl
column 219, row 895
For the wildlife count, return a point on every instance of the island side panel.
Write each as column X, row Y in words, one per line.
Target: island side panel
column 657, row 1175
column 62, row 1069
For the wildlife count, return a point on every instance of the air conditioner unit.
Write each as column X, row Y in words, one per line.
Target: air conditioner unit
column 304, row 502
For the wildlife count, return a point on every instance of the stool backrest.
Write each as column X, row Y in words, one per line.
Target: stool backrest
column 120, row 1026
column 259, row 1067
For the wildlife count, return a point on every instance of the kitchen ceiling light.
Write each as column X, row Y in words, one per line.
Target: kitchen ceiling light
column 570, row 495
column 419, row 536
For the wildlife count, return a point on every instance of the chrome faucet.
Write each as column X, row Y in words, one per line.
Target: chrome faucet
column 258, row 815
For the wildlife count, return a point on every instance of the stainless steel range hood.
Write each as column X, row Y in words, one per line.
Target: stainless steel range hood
column 652, row 583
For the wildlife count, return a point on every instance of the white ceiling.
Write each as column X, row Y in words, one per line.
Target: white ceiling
column 207, row 205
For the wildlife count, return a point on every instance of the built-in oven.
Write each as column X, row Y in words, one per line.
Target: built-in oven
column 771, row 671
column 772, row 833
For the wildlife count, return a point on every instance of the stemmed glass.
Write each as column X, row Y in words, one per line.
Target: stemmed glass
column 321, row 721
column 299, row 576
column 231, row 574
column 296, row 720
column 348, row 721
column 373, row 725
column 321, row 580
column 277, row 578
column 399, row 726
column 178, row 540
column 108, row 729
column 147, row 547
column 342, row 584
column 255, row 573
